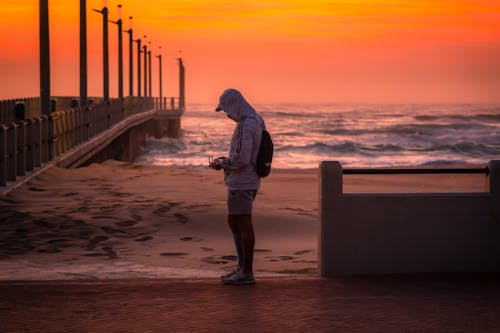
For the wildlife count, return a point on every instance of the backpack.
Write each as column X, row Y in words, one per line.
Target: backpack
column 265, row 155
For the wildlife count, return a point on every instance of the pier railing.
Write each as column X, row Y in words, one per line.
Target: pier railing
column 29, row 139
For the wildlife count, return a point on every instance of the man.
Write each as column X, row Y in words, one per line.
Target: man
column 241, row 180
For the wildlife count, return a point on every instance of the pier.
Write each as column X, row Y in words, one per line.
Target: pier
column 71, row 131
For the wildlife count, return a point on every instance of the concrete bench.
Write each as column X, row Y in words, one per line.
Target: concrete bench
column 407, row 232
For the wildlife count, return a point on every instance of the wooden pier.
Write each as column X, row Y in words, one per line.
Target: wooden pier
column 73, row 136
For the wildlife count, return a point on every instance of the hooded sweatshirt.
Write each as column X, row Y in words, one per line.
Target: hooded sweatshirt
column 240, row 173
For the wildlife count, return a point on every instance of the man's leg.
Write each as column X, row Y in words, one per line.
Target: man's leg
column 233, row 224
column 247, row 237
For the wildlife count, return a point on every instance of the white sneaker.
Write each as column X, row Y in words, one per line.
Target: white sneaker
column 239, row 278
column 234, row 271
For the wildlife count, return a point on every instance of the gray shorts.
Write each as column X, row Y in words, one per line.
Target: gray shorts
column 239, row 202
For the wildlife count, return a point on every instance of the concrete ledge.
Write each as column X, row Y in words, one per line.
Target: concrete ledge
column 407, row 233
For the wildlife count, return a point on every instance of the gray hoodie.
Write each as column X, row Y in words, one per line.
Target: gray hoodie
column 240, row 174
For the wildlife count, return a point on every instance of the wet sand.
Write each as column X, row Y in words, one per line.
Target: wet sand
column 121, row 220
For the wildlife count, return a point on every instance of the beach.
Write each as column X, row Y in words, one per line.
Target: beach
column 119, row 220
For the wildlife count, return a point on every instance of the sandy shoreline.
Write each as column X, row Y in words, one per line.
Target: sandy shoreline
column 123, row 220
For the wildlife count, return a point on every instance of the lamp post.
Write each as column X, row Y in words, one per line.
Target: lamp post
column 182, row 97
column 44, row 58
column 150, row 86
column 120, row 52
column 83, row 53
column 45, row 72
column 138, row 41
column 105, row 50
column 130, row 59
column 160, row 90
column 145, row 51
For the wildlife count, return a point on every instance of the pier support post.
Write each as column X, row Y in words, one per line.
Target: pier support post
column 21, row 148
column 37, row 141
column 30, row 128
column 46, row 145
column 12, row 152
column 3, row 155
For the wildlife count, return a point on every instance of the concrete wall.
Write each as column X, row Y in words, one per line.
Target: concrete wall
column 407, row 233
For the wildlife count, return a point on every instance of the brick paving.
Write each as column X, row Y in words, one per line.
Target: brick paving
column 415, row 303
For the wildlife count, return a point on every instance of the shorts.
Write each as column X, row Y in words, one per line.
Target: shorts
column 239, row 202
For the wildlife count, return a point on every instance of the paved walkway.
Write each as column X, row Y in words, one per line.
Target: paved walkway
column 438, row 303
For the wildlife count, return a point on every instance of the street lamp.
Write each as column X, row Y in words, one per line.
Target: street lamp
column 150, row 65
column 145, row 51
column 130, row 59
column 138, row 41
column 105, row 50
column 83, row 53
column 182, row 97
column 160, row 79
column 120, row 52
column 45, row 73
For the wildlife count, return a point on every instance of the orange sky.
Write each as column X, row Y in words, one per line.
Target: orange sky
column 275, row 51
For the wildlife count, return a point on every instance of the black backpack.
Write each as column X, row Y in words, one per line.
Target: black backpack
column 265, row 155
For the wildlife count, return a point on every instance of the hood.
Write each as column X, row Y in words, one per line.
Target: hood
column 234, row 105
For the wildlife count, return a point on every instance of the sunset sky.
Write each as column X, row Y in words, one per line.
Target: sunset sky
column 311, row 51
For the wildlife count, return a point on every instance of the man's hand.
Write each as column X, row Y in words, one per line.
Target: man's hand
column 216, row 164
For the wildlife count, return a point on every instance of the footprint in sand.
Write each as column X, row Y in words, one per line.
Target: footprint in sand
column 59, row 240
column 94, row 241
column 280, row 258
column 173, row 254
column 70, row 194
column 43, row 223
column 262, row 250
column 126, row 223
column 190, row 239
column 36, row 189
column 95, row 254
column 143, row 239
column 230, row 257
column 137, row 217
column 305, row 261
column 298, row 253
column 116, row 232
column 214, row 260
column 181, row 218
column 49, row 249
column 120, row 194
column 162, row 210
column 206, row 249
column 9, row 201
column 83, row 209
column 110, row 252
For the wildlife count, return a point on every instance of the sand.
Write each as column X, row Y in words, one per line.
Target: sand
column 120, row 220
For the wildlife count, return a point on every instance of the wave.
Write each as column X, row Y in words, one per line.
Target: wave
column 495, row 118
column 381, row 135
column 461, row 148
column 407, row 129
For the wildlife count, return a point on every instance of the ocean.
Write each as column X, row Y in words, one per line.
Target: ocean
column 378, row 135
